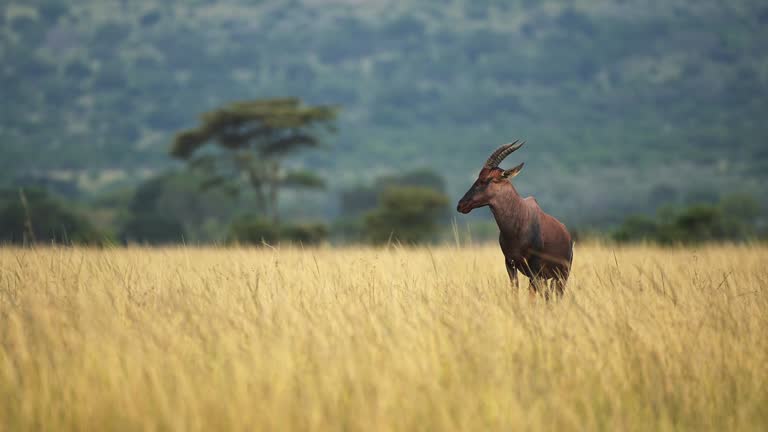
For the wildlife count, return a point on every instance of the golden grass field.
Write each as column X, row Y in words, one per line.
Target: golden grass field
column 381, row 339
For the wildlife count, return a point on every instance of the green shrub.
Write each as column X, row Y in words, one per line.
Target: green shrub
column 361, row 199
column 253, row 231
column 637, row 228
column 408, row 214
column 258, row 230
column 152, row 228
column 33, row 216
column 734, row 218
column 307, row 234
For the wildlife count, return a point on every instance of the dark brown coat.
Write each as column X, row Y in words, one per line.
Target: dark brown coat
column 533, row 242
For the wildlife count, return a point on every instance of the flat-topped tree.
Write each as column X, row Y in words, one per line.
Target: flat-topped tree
column 248, row 140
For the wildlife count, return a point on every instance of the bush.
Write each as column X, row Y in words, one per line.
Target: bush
column 637, row 228
column 699, row 223
column 361, row 199
column 253, row 231
column 258, row 230
column 171, row 207
column 308, row 234
column 408, row 214
column 33, row 216
column 152, row 229
column 735, row 218
column 348, row 229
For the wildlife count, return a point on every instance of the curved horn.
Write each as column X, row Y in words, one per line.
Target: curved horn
column 495, row 159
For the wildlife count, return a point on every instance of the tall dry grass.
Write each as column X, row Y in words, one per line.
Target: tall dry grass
column 367, row 339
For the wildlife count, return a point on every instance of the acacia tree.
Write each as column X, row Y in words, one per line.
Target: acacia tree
column 247, row 142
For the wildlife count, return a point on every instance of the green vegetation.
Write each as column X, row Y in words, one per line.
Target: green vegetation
column 407, row 214
column 627, row 106
column 388, row 208
column 152, row 229
column 253, row 138
column 670, row 94
column 33, row 216
column 734, row 218
column 172, row 208
column 258, row 231
column 362, row 198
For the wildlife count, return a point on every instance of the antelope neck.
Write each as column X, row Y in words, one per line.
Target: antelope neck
column 509, row 210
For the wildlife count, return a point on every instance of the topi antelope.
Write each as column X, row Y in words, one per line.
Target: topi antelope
column 532, row 241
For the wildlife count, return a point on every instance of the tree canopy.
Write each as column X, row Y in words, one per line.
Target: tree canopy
column 254, row 136
column 270, row 127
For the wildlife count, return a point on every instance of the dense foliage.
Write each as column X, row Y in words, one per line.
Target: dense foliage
column 406, row 214
column 735, row 218
column 256, row 230
column 626, row 105
column 173, row 208
column 361, row 198
column 33, row 216
column 251, row 139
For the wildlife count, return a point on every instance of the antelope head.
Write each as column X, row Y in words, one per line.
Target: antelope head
column 491, row 179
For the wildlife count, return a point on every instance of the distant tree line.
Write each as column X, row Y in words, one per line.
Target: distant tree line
column 235, row 176
column 33, row 216
column 170, row 209
column 675, row 83
column 734, row 218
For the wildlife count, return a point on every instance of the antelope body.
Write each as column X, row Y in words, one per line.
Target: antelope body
column 533, row 242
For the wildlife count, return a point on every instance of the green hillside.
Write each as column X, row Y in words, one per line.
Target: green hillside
column 625, row 105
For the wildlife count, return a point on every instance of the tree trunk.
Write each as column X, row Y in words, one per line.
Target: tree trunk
column 274, row 184
column 259, row 186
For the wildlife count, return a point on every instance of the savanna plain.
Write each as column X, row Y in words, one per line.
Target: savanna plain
column 392, row 339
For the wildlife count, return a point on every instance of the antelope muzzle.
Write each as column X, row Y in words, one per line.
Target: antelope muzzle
column 466, row 203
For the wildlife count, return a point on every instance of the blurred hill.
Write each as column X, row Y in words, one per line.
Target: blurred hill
column 626, row 105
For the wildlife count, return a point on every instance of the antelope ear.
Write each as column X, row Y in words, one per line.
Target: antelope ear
column 512, row 172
